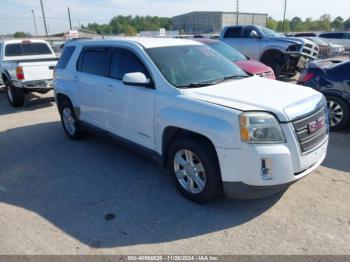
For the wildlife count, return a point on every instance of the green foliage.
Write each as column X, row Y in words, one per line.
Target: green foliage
column 324, row 23
column 130, row 25
column 20, row 34
column 347, row 24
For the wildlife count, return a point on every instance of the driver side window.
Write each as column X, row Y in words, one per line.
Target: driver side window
column 250, row 33
column 124, row 62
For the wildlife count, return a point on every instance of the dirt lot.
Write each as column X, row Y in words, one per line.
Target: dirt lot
column 55, row 195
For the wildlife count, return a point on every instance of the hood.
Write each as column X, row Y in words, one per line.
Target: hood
column 252, row 66
column 292, row 40
column 286, row 101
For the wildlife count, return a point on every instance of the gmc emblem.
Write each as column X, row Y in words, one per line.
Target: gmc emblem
column 316, row 125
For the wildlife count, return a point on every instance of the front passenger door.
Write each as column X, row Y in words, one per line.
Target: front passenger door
column 130, row 108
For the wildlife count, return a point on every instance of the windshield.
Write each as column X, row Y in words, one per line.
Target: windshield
column 227, row 51
column 193, row 65
column 267, row 32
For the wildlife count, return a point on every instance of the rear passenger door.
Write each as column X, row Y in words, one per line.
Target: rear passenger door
column 232, row 36
column 130, row 108
column 93, row 83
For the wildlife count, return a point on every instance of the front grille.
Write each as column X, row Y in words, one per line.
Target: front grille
column 310, row 51
column 309, row 140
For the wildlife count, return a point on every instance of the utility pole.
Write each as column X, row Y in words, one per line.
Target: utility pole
column 36, row 31
column 42, row 10
column 237, row 11
column 284, row 16
column 70, row 21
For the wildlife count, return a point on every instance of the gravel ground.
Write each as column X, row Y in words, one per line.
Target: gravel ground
column 99, row 197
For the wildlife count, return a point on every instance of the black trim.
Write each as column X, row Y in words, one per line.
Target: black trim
column 125, row 142
column 239, row 190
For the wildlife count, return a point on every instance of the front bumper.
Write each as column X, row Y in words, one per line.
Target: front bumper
column 242, row 170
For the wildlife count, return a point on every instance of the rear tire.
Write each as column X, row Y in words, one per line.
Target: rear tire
column 15, row 95
column 195, row 169
column 339, row 110
column 70, row 122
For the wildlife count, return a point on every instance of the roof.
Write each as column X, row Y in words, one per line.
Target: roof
column 17, row 41
column 146, row 42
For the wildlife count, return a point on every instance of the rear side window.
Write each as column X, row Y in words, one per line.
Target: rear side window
column 96, row 62
column 23, row 49
column 233, row 32
column 124, row 62
column 65, row 57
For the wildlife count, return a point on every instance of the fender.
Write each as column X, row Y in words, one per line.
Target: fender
column 218, row 131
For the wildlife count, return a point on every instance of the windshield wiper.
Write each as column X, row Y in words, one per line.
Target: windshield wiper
column 213, row 81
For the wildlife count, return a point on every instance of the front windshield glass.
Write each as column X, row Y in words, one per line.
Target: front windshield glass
column 193, row 65
column 227, row 51
column 267, row 32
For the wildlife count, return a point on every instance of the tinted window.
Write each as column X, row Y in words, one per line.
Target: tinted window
column 233, row 32
column 332, row 35
column 13, row 50
column 66, row 55
column 124, row 62
column 250, row 33
column 96, row 62
column 24, row 49
column 42, row 49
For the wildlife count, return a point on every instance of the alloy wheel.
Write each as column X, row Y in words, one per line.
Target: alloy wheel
column 336, row 113
column 68, row 120
column 189, row 171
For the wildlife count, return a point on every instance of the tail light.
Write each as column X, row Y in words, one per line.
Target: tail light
column 306, row 77
column 19, row 73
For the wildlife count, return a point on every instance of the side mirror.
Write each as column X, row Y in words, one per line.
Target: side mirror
column 136, row 79
column 254, row 34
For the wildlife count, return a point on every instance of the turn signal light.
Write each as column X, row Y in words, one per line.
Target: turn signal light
column 19, row 73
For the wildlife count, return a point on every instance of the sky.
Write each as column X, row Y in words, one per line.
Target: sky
column 16, row 15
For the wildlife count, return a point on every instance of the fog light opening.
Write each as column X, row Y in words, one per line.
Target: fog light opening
column 266, row 169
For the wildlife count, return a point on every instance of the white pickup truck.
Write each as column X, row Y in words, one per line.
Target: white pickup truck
column 212, row 125
column 26, row 66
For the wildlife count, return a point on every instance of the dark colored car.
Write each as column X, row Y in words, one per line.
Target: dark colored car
column 248, row 65
column 333, row 80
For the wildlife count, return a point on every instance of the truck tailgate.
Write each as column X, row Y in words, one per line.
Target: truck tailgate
column 42, row 70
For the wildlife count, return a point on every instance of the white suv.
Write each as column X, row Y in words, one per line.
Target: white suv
column 215, row 128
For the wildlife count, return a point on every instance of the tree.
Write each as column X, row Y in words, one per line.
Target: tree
column 296, row 24
column 347, row 24
column 20, row 34
column 338, row 23
column 272, row 24
column 130, row 31
column 324, row 23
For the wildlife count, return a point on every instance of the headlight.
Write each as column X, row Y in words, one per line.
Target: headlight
column 260, row 127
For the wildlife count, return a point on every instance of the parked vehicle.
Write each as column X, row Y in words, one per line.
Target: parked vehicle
column 250, row 66
column 331, row 78
column 26, row 66
column 285, row 55
column 195, row 111
column 307, row 34
column 340, row 38
column 327, row 50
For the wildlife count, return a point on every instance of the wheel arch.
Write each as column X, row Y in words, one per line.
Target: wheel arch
column 172, row 133
column 271, row 53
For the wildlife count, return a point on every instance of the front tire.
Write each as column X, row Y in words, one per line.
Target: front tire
column 194, row 167
column 339, row 116
column 15, row 95
column 70, row 122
